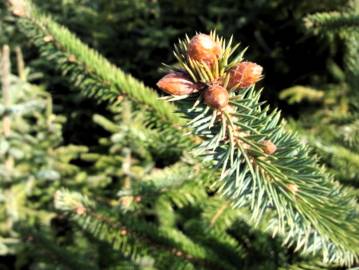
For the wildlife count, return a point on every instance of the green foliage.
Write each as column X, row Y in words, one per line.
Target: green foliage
column 333, row 129
column 32, row 161
column 332, row 126
column 332, row 21
column 232, row 142
column 51, row 37
column 238, row 170
column 132, row 230
column 143, row 197
column 297, row 94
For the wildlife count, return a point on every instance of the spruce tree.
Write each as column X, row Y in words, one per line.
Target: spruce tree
column 198, row 178
column 33, row 162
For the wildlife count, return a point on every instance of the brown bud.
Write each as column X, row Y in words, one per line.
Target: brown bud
column 203, row 48
column 30, row 238
column 178, row 84
column 244, row 75
column 71, row 58
column 18, row 7
column 216, row 96
column 123, row 232
column 80, row 210
column 138, row 199
column 293, row 188
column 48, row 38
column 269, row 147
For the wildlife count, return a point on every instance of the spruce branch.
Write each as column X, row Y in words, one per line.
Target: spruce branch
column 331, row 21
column 55, row 253
column 219, row 215
column 225, row 245
column 263, row 166
column 297, row 94
column 170, row 179
column 217, row 218
column 311, row 210
column 134, row 237
column 310, row 265
column 338, row 147
column 93, row 74
column 345, row 25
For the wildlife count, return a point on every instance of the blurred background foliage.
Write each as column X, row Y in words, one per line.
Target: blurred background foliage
column 311, row 74
column 137, row 35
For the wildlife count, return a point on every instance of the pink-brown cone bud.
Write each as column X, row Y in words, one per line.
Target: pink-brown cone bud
column 18, row 7
column 178, row 84
column 203, row 48
column 293, row 188
column 269, row 147
column 244, row 75
column 216, row 96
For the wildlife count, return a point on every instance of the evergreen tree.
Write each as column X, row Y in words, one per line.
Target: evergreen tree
column 333, row 130
column 33, row 163
column 198, row 179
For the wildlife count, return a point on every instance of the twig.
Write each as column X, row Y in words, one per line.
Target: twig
column 218, row 213
column 126, row 166
column 20, row 64
column 5, row 80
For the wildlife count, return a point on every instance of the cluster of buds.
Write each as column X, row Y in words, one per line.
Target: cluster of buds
column 207, row 51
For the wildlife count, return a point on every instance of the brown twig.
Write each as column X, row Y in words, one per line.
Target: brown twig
column 126, row 166
column 20, row 64
column 5, row 80
column 218, row 213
